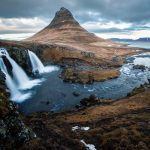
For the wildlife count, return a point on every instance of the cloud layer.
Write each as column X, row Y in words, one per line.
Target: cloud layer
column 99, row 16
column 118, row 10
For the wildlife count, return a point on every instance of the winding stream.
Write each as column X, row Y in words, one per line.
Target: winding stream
column 50, row 93
column 56, row 95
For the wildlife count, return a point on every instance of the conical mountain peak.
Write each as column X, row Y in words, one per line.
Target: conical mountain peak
column 64, row 29
column 64, row 12
column 62, row 17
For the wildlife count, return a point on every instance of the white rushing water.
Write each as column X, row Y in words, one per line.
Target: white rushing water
column 18, row 82
column 19, row 76
column 37, row 65
column 88, row 146
column 16, row 95
column 142, row 61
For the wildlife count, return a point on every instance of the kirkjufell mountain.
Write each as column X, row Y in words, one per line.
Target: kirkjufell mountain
column 64, row 28
column 65, row 31
column 67, row 89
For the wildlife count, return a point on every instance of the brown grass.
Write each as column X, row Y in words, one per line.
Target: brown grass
column 88, row 76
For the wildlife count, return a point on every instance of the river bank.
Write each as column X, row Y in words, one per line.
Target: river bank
column 122, row 124
column 96, row 120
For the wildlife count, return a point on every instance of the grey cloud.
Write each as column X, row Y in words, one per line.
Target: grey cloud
column 136, row 12
column 110, row 30
column 17, row 31
column 116, row 10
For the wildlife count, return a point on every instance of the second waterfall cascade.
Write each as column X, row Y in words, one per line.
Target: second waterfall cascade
column 17, row 81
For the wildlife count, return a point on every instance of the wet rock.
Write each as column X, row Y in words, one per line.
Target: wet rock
column 139, row 67
column 89, row 101
column 13, row 127
column 35, row 74
column 76, row 94
column 2, row 130
column 47, row 103
column 13, row 131
column 141, row 89
column 93, row 100
column 8, row 65
column 4, row 104
column 77, row 106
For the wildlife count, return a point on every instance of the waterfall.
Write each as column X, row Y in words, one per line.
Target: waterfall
column 37, row 66
column 19, row 76
column 16, row 95
column 18, row 80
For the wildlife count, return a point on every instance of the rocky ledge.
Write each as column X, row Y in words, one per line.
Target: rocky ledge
column 13, row 132
column 122, row 124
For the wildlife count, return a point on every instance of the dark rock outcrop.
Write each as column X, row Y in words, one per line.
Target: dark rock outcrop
column 63, row 16
column 139, row 67
column 8, row 65
column 20, row 55
column 93, row 100
column 13, row 132
column 4, row 109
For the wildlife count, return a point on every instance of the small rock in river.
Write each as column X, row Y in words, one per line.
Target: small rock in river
column 76, row 94
column 139, row 67
column 47, row 103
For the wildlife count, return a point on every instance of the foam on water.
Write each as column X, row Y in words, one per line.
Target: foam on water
column 50, row 69
column 142, row 61
column 20, row 97
column 37, row 65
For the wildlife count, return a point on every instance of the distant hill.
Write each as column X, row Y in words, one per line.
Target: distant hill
column 146, row 39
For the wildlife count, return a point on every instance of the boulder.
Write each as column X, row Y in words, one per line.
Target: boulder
column 142, row 67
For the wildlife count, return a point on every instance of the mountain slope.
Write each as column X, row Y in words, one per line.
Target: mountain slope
column 65, row 31
column 64, row 27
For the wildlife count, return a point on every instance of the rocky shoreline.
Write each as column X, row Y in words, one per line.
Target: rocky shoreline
column 122, row 124
column 84, row 58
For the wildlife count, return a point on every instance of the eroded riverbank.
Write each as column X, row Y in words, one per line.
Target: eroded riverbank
column 106, row 121
column 123, row 124
column 55, row 95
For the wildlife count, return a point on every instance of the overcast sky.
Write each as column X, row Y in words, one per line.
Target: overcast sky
column 106, row 18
